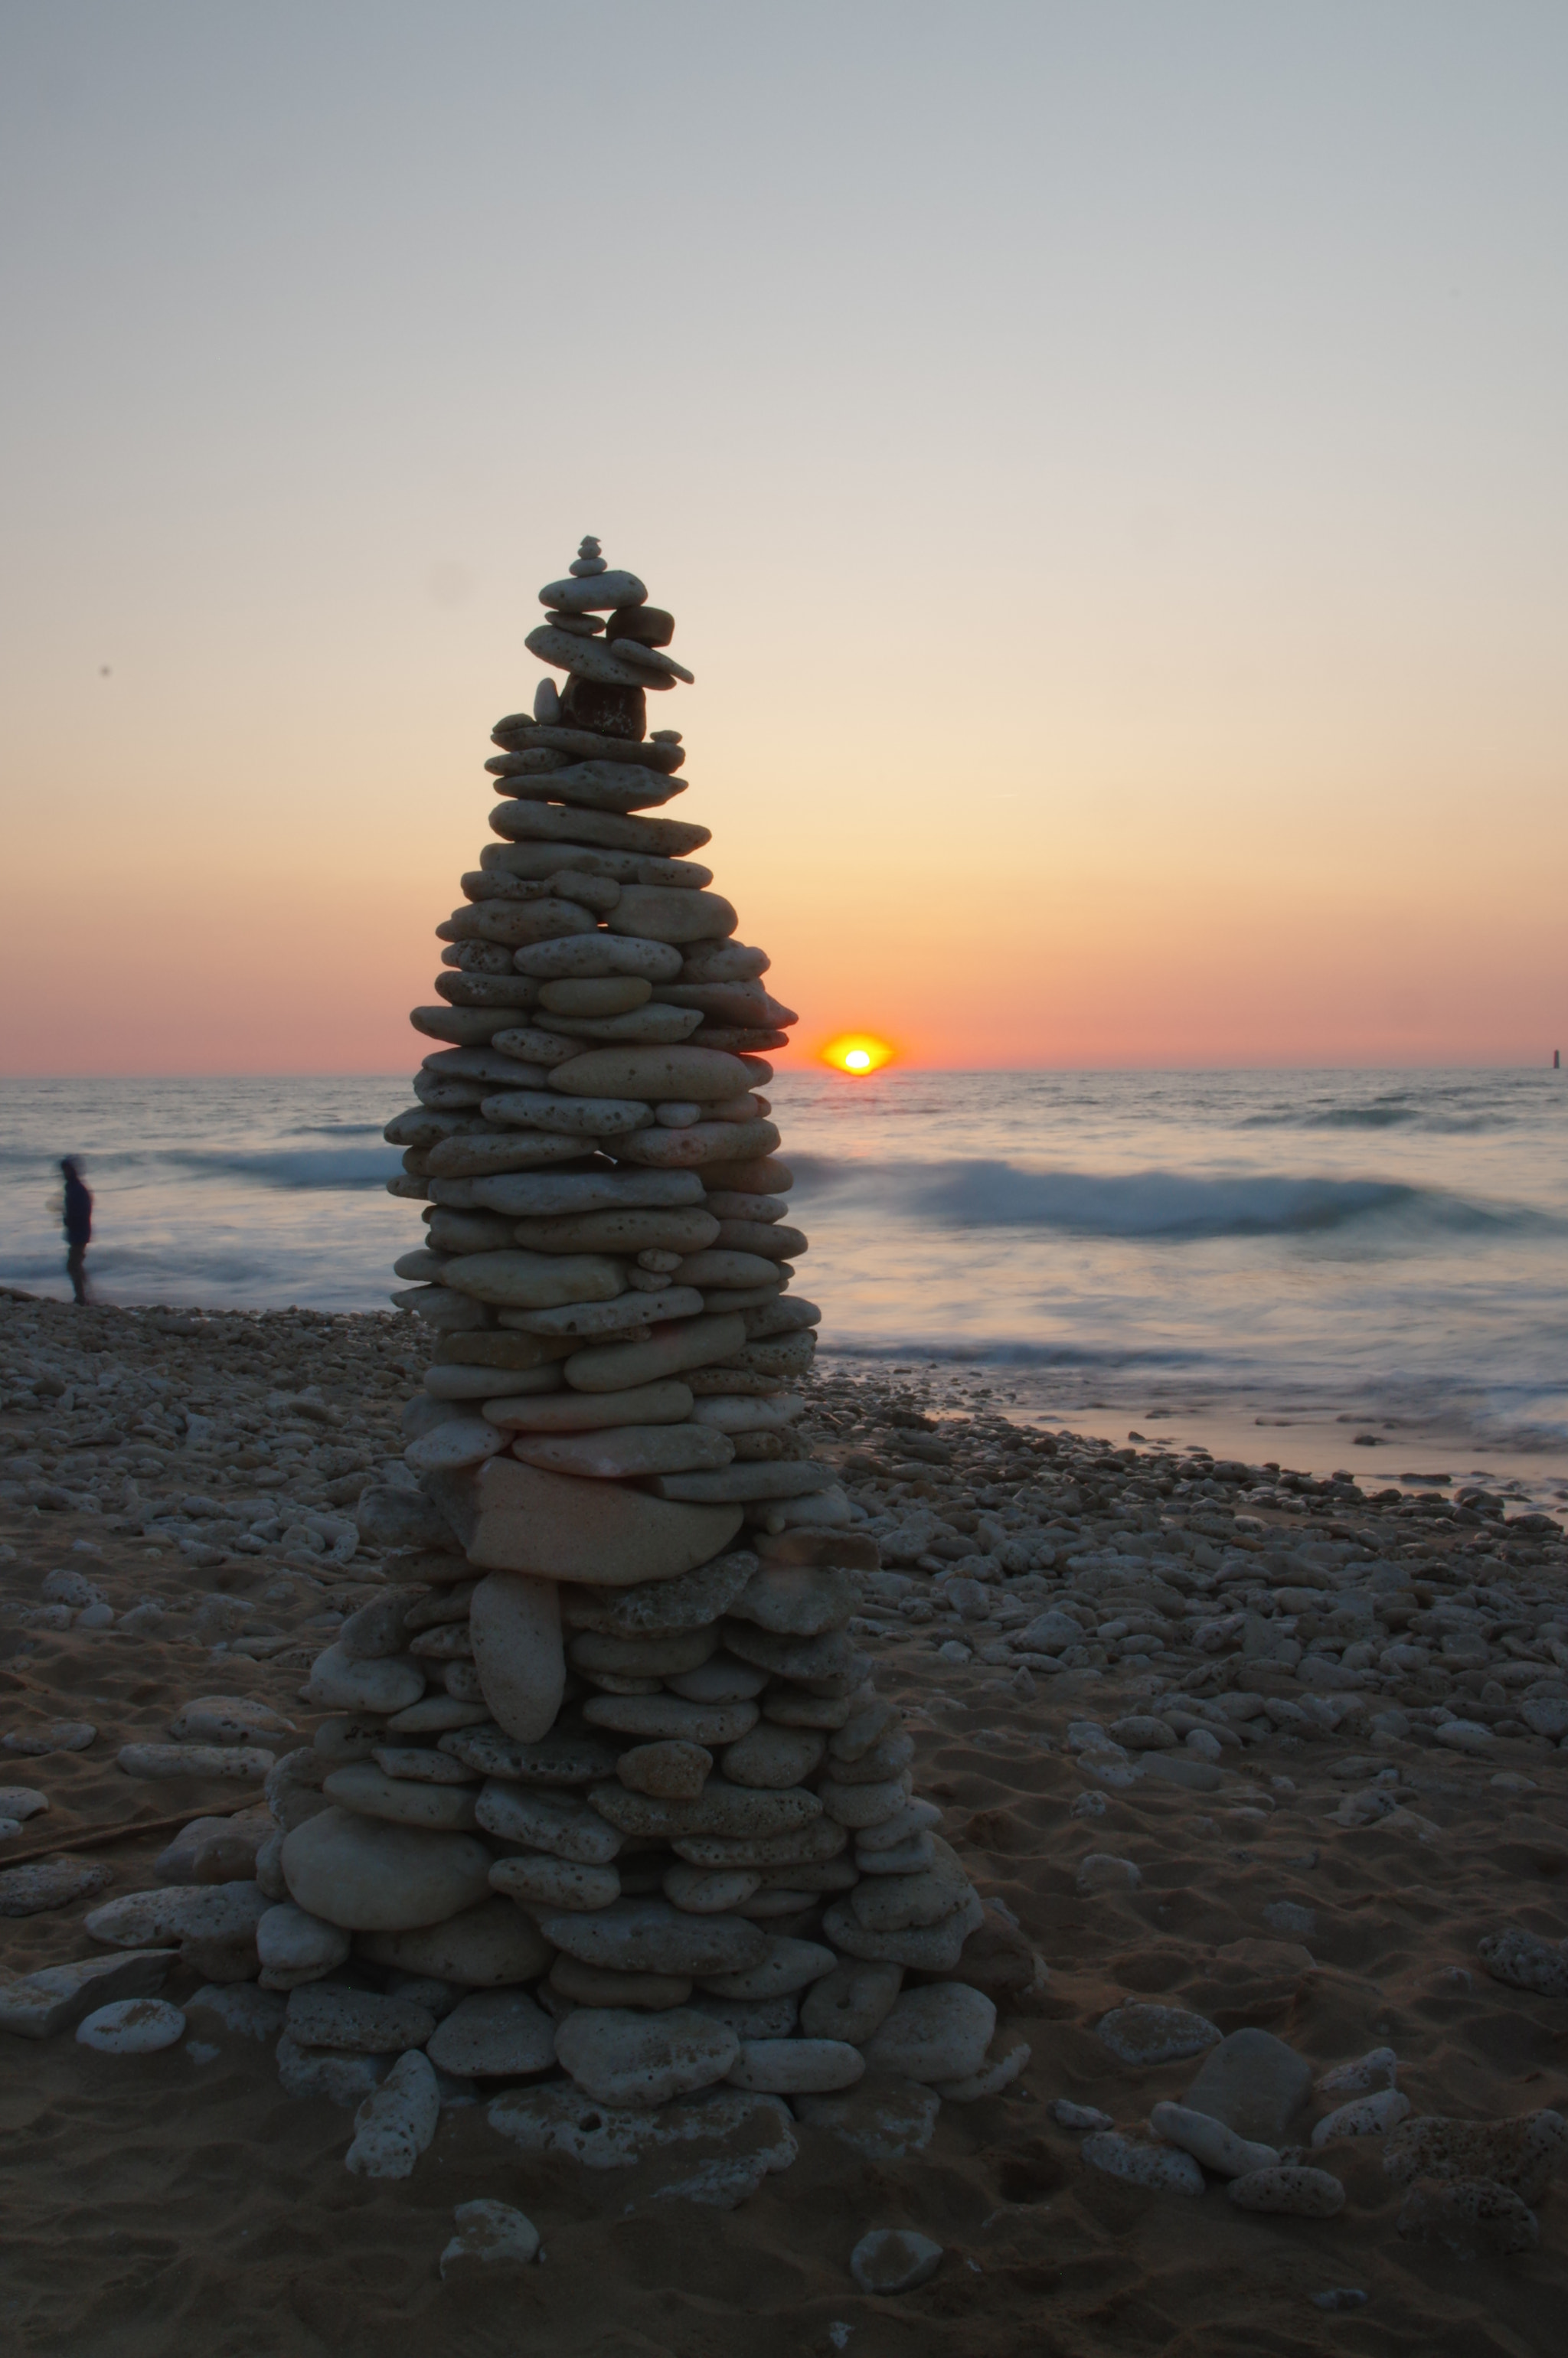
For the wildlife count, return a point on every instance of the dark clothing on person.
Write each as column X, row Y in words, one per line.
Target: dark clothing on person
column 78, row 1210
column 78, row 1228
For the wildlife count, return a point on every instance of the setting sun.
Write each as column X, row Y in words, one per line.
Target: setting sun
column 857, row 1052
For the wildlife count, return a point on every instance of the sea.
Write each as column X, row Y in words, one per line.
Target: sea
column 1325, row 1270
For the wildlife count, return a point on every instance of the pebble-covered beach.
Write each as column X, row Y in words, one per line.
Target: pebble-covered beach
column 1224, row 1748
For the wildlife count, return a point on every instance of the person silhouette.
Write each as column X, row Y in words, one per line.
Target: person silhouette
column 78, row 1226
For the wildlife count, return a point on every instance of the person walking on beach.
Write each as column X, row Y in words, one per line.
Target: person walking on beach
column 78, row 1226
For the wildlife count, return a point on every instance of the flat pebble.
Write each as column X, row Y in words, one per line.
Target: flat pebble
column 1160, row 2167
column 791, row 2067
column 753, row 2134
column 1068, row 2116
column 225, row 1763
column 1470, row 2216
column 940, row 2032
column 132, row 2026
column 650, row 1936
column 1253, row 2083
column 851, row 2002
column 394, row 2126
column 641, row 2061
column 1372, row 2115
column 1522, row 2153
column 670, row 1770
column 788, row 1965
column 49, row 1883
column 1377, row 2068
column 1209, row 2141
column 1523, row 1960
column 494, row 2034
column 370, row 1876
column 317, row 2074
column 58, row 1736
column 493, row 1945
column 998, row 2073
column 291, row 1943
column 1155, row 2034
column 1466, row 1735
column 884, row 2119
column 1290, row 2189
column 893, row 2260
column 540, row 1879
column 1287, row 1916
column 228, row 1719
column 1101, row 1872
column 349, row 2021
column 492, row 2240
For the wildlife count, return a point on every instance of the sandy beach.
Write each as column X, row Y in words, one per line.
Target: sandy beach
column 1288, row 1827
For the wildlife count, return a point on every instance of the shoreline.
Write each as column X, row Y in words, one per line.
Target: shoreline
column 1320, row 1440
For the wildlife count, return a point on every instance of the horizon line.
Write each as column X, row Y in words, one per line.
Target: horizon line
column 819, row 1066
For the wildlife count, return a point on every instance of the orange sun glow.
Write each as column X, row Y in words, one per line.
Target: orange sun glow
column 857, row 1052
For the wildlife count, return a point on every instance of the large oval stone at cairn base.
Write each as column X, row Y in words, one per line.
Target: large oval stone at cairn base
column 622, row 2058
column 516, row 1625
column 339, row 1682
column 640, row 1936
column 371, row 1877
column 364, row 1788
column 492, row 1946
column 939, row 2032
column 795, row 2067
column 796, row 1478
column 924, row 1948
column 621, row 1451
column 495, row 2034
column 565, row 1527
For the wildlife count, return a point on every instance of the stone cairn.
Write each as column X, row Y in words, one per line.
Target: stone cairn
column 607, row 1770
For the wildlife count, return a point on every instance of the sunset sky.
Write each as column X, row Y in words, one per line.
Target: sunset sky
column 1107, row 462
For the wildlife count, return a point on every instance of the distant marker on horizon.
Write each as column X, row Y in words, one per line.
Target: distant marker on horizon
column 1557, row 1060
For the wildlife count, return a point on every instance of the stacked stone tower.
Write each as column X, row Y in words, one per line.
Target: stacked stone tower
column 605, row 1754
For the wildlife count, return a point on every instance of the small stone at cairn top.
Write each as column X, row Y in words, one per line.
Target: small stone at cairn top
column 603, row 1738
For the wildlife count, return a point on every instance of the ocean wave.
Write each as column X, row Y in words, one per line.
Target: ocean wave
column 296, row 1167
column 1165, row 1203
column 1388, row 1115
column 337, row 1130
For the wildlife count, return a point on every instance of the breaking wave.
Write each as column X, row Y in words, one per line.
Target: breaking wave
column 1170, row 1204
column 366, row 1165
